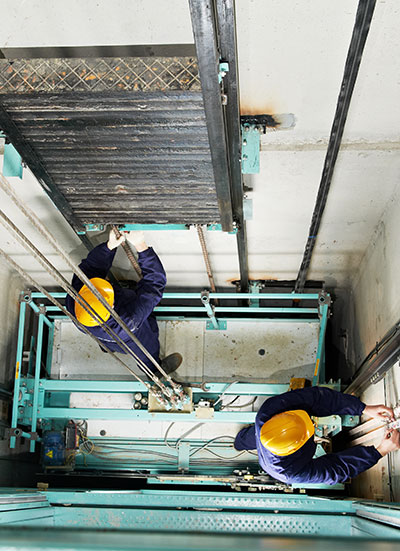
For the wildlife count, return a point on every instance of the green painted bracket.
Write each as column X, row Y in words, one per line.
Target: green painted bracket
column 250, row 149
column 222, row 325
column 12, row 163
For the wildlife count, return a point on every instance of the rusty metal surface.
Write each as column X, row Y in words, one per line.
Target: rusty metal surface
column 136, row 153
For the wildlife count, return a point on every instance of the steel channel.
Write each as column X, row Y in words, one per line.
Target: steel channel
column 204, row 31
column 80, row 385
column 35, row 401
column 132, row 414
column 50, row 343
column 226, row 21
column 236, row 296
column 179, row 498
column 360, row 33
column 18, row 365
column 321, row 341
column 377, row 363
column 36, row 309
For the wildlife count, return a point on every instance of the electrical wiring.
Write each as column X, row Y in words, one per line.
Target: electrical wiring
column 210, row 442
column 225, row 391
column 239, row 406
column 184, row 435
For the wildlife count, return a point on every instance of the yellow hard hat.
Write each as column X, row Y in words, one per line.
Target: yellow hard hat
column 106, row 290
column 286, row 432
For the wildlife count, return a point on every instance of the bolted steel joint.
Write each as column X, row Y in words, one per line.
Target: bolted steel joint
column 26, row 297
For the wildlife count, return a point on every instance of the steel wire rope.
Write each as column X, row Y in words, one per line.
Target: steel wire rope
column 206, row 259
column 51, row 269
column 30, row 280
column 128, row 251
column 5, row 186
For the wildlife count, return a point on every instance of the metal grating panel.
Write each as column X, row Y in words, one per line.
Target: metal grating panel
column 100, row 74
column 123, row 140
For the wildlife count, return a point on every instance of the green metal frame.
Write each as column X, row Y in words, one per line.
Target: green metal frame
column 172, row 512
column 47, row 401
column 151, row 227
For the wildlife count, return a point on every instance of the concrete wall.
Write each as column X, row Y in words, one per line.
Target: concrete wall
column 375, row 295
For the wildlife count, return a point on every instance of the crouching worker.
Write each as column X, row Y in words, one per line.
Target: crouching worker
column 283, row 435
column 135, row 307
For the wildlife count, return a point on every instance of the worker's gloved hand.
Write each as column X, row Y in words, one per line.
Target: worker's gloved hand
column 390, row 442
column 136, row 238
column 113, row 241
column 379, row 412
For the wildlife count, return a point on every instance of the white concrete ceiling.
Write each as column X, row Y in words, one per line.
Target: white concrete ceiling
column 291, row 59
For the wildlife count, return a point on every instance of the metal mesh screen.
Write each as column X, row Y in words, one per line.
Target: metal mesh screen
column 58, row 75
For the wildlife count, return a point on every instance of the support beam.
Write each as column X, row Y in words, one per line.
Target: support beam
column 205, row 36
column 360, row 32
column 227, row 33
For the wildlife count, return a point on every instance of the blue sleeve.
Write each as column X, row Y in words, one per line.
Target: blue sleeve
column 97, row 264
column 150, row 288
column 335, row 468
column 315, row 400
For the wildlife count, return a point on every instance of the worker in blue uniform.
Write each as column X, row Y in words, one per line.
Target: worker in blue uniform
column 283, row 435
column 135, row 307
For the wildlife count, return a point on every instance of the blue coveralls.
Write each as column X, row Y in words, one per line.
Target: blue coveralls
column 135, row 307
column 300, row 467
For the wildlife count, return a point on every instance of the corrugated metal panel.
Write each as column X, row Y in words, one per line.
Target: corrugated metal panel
column 122, row 155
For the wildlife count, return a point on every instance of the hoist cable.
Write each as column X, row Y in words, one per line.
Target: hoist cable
column 79, row 273
column 206, row 259
column 30, row 280
column 129, row 253
column 51, row 270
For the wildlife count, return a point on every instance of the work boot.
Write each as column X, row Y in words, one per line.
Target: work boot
column 171, row 362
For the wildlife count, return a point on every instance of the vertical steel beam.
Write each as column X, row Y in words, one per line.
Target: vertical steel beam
column 38, row 363
column 321, row 345
column 18, row 365
column 226, row 22
column 359, row 37
column 205, row 36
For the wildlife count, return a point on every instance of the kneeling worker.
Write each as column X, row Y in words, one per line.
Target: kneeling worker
column 283, row 435
column 135, row 307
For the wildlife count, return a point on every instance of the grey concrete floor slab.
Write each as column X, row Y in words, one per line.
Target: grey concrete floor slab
column 245, row 351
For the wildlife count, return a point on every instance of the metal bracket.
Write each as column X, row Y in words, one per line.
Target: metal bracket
column 250, row 149
column 222, row 325
column 92, row 227
column 255, row 286
column 328, row 426
column 12, row 162
column 350, row 420
column 223, row 69
column 217, row 227
column 213, row 324
column 247, row 208
column 324, row 299
column 19, row 433
column 26, row 297
column 183, row 456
